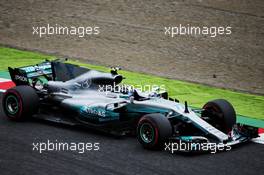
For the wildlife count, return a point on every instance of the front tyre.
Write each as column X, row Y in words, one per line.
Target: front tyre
column 220, row 114
column 20, row 102
column 153, row 130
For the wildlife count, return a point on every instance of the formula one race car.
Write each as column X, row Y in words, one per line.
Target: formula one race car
column 62, row 92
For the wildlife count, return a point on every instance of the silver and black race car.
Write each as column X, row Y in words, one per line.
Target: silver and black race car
column 65, row 93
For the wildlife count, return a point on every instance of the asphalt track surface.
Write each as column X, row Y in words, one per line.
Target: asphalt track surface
column 116, row 156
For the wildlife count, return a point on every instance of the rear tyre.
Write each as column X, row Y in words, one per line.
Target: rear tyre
column 20, row 102
column 153, row 130
column 220, row 114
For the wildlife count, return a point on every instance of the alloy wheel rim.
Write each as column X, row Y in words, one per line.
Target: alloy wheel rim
column 147, row 132
column 12, row 105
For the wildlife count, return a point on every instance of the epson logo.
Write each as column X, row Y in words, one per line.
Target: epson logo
column 20, row 78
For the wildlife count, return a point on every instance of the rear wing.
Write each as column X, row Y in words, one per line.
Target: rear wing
column 25, row 75
column 51, row 70
column 55, row 70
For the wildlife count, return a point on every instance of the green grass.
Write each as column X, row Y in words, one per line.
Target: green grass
column 15, row 58
column 195, row 94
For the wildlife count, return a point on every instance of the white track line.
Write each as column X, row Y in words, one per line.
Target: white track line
column 259, row 140
column 2, row 90
column 4, row 80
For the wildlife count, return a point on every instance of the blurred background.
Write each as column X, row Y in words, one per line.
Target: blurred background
column 132, row 36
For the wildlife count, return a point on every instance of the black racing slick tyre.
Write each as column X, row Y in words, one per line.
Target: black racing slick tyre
column 153, row 130
column 221, row 114
column 20, row 102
